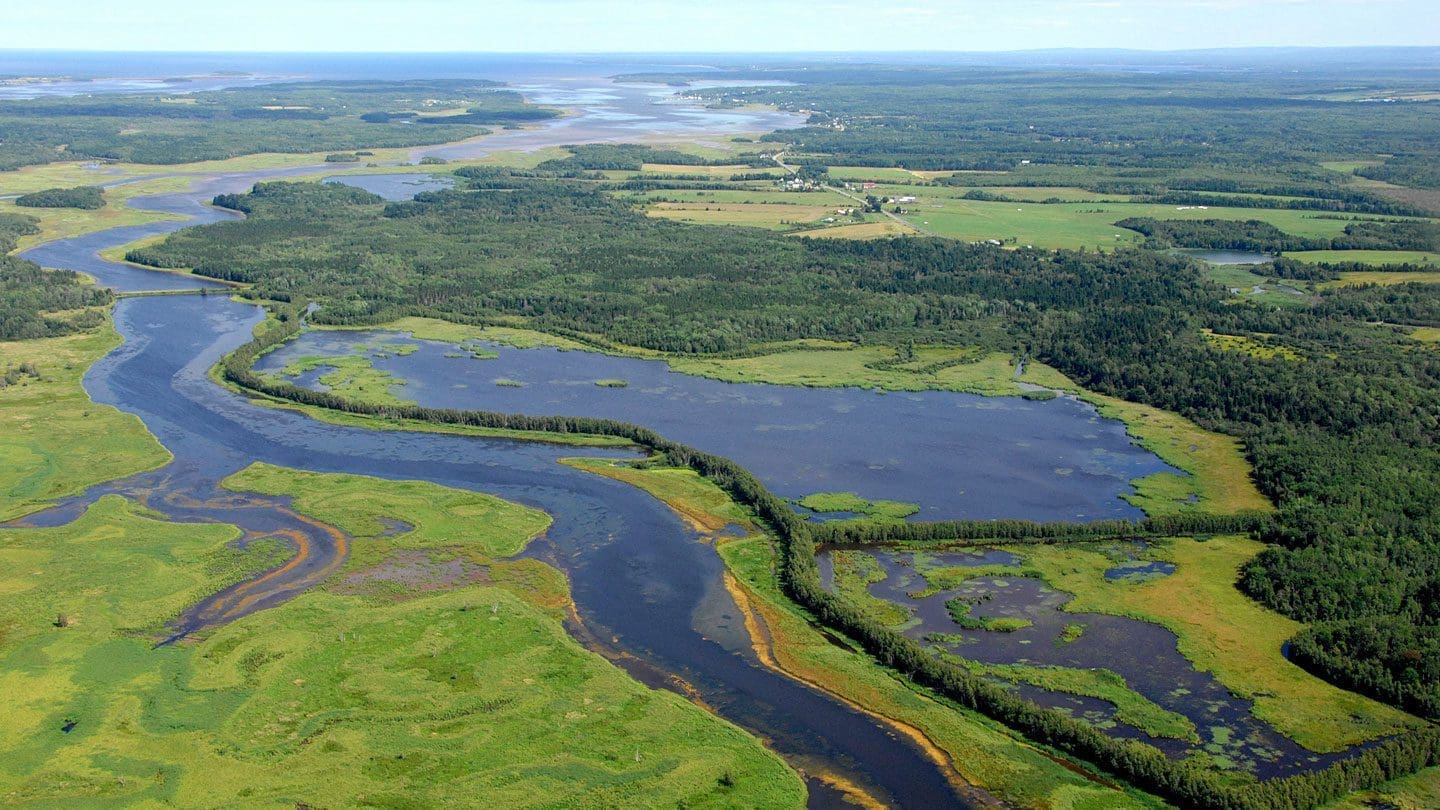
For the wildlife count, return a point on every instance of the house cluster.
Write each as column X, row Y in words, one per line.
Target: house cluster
column 798, row 184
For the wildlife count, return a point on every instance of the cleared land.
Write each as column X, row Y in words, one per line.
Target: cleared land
column 1086, row 219
column 864, row 230
column 758, row 215
column 1376, row 257
column 1383, row 278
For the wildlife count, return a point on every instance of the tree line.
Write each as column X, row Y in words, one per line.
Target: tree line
column 1257, row 235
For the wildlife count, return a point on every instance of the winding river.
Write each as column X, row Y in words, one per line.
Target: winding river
column 641, row 580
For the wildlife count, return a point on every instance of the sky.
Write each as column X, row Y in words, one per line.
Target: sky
column 709, row 26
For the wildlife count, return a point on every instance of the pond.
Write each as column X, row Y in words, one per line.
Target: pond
column 1020, row 620
column 395, row 187
column 1227, row 256
column 956, row 455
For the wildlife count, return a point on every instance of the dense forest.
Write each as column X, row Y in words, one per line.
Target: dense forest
column 86, row 197
column 294, row 117
column 1342, row 438
column 28, row 293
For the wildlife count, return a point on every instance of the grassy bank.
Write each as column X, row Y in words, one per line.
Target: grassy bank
column 426, row 673
column 56, row 441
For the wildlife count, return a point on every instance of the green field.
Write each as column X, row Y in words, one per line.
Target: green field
column 872, row 174
column 1383, row 278
column 1376, row 257
column 426, row 673
column 56, row 441
column 1087, row 223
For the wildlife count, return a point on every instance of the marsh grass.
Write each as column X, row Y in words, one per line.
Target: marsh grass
column 339, row 697
column 1222, row 631
column 55, row 440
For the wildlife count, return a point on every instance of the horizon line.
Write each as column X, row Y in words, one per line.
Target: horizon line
column 836, row 52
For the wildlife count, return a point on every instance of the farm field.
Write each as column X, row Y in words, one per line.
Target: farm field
column 1382, row 278
column 1375, row 257
column 758, row 215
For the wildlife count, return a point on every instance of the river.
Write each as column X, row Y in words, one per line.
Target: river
column 640, row 579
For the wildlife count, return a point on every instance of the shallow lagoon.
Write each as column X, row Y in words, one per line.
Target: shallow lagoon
column 1144, row 654
column 395, row 186
column 957, row 455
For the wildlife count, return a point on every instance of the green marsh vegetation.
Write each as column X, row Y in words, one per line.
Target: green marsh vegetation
column 427, row 670
column 1131, row 707
column 850, row 502
column 855, row 572
column 961, row 610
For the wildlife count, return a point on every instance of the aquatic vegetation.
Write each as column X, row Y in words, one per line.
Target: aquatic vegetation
column 850, row 502
column 353, row 375
column 1131, row 707
column 611, row 383
column 855, row 572
column 961, row 612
